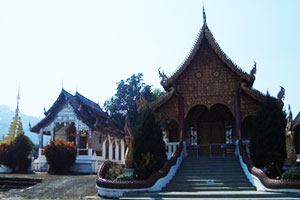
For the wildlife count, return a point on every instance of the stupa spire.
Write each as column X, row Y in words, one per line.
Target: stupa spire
column 16, row 127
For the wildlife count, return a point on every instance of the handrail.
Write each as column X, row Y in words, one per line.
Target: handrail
column 222, row 146
column 268, row 183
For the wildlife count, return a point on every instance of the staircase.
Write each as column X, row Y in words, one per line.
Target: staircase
column 8, row 183
column 210, row 178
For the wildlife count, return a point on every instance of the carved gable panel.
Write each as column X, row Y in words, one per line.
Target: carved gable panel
column 207, row 80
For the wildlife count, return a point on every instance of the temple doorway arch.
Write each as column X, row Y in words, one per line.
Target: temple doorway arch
column 212, row 128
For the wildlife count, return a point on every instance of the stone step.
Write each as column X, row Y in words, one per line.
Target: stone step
column 199, row 173
column 213, row 194
column 200, row 180
column 210, row 176
column 196, row 189
column 205, row 184
column 17, row 183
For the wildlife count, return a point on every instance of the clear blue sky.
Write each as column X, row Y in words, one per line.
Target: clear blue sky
column 94, row 44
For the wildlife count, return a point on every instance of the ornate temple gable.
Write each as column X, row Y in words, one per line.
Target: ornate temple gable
column 207, row 80
column 79, row 108
column 66, row 114
column 206, row 35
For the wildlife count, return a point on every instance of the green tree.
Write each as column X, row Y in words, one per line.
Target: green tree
column 269, row 132
column 16, row 153
column 22, row 153
column 149, row 147
column 124, row 101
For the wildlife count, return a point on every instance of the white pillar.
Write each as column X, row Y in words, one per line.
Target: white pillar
column 41, row 138
column 104, row 148
column 123, row 151
column 117, row 149
column 110, row 149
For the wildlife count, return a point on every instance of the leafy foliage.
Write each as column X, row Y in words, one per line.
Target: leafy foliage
column 6, row 154
column 22, row 152
column 124, row 101
column 292, row 174
column 114, row 171
column 149, row 147
column 60, row 155
column 16, row 154
column 269, row 132
column 274, row 162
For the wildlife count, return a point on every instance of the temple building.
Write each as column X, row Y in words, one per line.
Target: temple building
column 81, row 121
column 296, row 129
column 209, row 101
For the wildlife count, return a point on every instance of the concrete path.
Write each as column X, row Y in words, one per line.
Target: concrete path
column 55, row 187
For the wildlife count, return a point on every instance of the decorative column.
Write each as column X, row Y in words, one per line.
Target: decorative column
column 117, row 142
column 122, row 150
column 237, row 113
column 180, row 116
column 104, row 148
column 52, row 134
column 110, row 148
column 41, row 138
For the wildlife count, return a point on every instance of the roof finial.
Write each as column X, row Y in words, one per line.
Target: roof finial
column 62, row 84
column 204, row 15
column 18, row 97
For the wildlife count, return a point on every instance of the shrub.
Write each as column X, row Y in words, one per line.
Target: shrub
column 15, row 154
column 114, row 171
column 291, row 174
column 124, row 177
column 60, row 155
column 6, row 154
column 274, row 162
column 149, row 147
column 22, row 153
column 269, row 132
column 148, row 164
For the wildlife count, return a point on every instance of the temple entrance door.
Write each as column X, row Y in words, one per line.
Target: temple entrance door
column 210, row 137
column 212, row 127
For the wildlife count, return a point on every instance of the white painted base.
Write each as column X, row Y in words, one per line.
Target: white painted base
column 161, row 183
column 80, row 166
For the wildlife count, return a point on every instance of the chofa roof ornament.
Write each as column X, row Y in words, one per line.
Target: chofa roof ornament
column 281, row 93
column 253, row 70
column 163, row 77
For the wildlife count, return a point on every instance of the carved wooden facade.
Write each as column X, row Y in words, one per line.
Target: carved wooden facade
column 208, row 77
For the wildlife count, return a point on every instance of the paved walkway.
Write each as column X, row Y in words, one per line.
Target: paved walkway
column 54, row 187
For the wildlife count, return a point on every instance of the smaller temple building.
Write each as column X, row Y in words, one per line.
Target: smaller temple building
column 81, row 121
column 296, row 129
